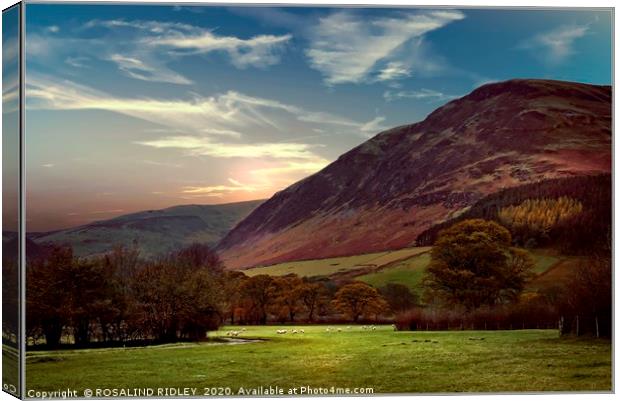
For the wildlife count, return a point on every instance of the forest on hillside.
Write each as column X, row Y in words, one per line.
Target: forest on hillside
column 584, row 230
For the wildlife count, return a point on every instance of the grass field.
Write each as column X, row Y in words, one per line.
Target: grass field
column 384, row 360
column 10, row 368
column 408, row 272
column 327, row 267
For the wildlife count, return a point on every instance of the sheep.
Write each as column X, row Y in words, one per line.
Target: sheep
column 348, row 327
column 294, row 331
column 301, row 331
column 327, row 330
column 374, row 328
column 243, row 329
column 235, row 333
column 339, row 329
column 281, row 331
column 394, row 327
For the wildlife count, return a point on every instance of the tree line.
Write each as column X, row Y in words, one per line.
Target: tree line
column 119, row 298
column 579, row 212
column 477, row 280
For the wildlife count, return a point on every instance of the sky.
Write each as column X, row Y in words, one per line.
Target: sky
column 142, row 107
column 10, row 119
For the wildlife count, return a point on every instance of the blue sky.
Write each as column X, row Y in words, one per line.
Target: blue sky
column 10, row 118
column 139, row 107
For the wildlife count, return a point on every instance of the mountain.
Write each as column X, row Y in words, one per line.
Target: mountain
column 382, row 194
column 156, row 231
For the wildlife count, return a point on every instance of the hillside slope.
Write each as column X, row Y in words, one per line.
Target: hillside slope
column 156, row 231
column 385, row 192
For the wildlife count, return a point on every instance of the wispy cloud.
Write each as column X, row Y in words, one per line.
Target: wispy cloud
column 206, row 147
column 183, row 39
column 144, row 50
column 10, row 49
column 218, row 191
column 258, row 51
column 371, row 49
column 111, row 211
column 372, row 127
column 393, row 70
column 10, row 76
column 555, row 46
column 428, row 95
column 163, row 164
column 228, row 115
column 230, row 125
column 138, row 69
column 77, row 62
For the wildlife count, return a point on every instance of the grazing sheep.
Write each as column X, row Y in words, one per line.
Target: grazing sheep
column 327, row 330
column 281, row 331
column 374, row 328
column 394, row 327
column 243, row 329
column 294, row 331
column 348, row 327
column 301, row 331
column 339, row 329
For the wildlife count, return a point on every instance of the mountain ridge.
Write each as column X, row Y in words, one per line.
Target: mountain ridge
column 384, row 192
column 156, row 231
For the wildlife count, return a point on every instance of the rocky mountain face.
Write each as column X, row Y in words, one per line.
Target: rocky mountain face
column 155, row 231
column 384, row 193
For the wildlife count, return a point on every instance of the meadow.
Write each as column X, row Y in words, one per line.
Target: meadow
column 407, row 266
column 330, row 266
column 385, row 360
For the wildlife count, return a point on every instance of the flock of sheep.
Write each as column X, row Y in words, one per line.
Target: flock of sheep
column 329, row 329
column 235, row 333
column 294, row 331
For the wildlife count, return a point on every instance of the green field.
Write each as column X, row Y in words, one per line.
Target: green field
column 10, row 368
column 544, row 259
column 410, row 271
column 384, row 360
column 404, row 266
column 327, row 267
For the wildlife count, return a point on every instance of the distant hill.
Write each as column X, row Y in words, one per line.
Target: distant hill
column 384, row 193
column 156, row 231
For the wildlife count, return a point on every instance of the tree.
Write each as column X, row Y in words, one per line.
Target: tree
column 232, row 281
column 358, row 299
column 117, row 320
column 399, row 297
column 159, row 297
column 180, row 293
column 199, row 255
column 287, row 295
column 203, row 304
column 65, row 292
column 473, row 264
column 586, row 307
column 89, row 296
column 259, row 292
column 313, row 296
